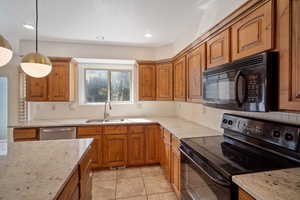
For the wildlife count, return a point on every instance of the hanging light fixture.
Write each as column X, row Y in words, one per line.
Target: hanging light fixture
column 5, row 51
column 35, row 64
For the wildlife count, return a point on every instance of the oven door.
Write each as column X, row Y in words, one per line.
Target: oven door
column 199, row 181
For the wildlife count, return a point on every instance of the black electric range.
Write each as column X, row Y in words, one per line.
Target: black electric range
column 248, row 145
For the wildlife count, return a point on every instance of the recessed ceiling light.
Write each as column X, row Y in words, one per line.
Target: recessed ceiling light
column 148, row 35
column 100, row 37
column 28, row 26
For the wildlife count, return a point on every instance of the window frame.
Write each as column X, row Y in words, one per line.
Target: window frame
column 82, row 90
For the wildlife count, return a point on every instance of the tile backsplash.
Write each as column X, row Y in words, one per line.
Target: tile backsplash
column 211, row 117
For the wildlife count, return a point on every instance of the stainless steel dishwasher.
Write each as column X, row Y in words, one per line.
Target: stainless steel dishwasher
column 57, row 133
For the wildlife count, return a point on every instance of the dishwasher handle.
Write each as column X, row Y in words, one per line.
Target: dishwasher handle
column 52, row 130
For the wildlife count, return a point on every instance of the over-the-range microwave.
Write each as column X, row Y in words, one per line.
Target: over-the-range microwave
column 248, row 84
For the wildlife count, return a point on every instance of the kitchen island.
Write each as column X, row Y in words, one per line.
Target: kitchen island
column 42, row 170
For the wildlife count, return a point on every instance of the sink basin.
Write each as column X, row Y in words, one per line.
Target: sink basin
column 105, row 121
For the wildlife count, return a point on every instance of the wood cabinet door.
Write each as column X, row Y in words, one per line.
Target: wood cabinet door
column 136, row 149
column 244, row 195
column 167, row 161
column 180, row 79
column 161, row 147
column 288, row 44
column 218, row 49
column 96, row 149
column 164, row 82
column 36, row 89
column 253, row 33
column 176, row 162
column 147, row 81
column 152, row 133
column 59, row 82
column 196, row 64
column 114, row 150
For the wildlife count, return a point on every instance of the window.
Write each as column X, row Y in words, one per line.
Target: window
column 102, row 85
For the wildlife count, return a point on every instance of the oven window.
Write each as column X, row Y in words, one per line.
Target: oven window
column 196, row 185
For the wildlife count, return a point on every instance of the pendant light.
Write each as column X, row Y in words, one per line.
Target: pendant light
column 5, row 51
column 35, row 64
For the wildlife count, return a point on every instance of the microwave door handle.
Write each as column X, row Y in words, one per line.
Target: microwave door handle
column 222, row 182
column 236, row 82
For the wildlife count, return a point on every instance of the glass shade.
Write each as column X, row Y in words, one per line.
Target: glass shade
column 36, row 65
column 5, row 51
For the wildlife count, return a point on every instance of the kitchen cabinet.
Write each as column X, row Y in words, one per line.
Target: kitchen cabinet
column 218, row 49
column 164, row 82
column 96, row 147
column 59, row 85
column 196, row 64
column 253, row 33
column 71, row 189
column 114, row 150
column 288, row 44
column 180, row 79
column 147, row 82
column 86, row 174
column 244, row 195
column 25, row 134
column 175, row 165
column 152, row 133
column 161, row 147
column 136, row 145
column 167, row 155
column 36, row 89
column 79, row 185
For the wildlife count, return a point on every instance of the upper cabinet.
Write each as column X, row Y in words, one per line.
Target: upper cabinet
column 288, row 44
column 164, row 82
column 180, row 79
column 59, row 85
column 196, row 64
column 218, row 49
column 147, row 81
column 253, row 33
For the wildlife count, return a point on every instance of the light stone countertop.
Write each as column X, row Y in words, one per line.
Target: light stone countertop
column 38, row 170
column 179, row 127
column 271, row 185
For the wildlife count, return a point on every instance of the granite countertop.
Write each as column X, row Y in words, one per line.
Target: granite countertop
column 38, row 170
column 179, row 127
column 271, row 185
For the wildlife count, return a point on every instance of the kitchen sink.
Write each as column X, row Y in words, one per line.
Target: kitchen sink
column 105, row 121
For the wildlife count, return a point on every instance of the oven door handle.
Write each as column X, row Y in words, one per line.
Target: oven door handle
column 219, row 181
column 236, row 82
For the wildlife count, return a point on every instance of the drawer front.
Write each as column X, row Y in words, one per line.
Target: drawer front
column 115, row 129
column 89, row 130
column 175, row 142
column 136, row 129
column 25, row 134
column 167, row 136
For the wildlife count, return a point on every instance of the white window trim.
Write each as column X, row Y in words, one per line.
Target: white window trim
column 110, row 67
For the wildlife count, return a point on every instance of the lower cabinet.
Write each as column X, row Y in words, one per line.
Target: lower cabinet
column 244, row 195
column 152, row 134
column 25, row 134
column 79, row 186
column 136, row 149
column 175, row 166
column 167, row 154
column 114, row 150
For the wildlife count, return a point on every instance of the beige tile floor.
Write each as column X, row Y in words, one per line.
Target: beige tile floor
column 139, row 183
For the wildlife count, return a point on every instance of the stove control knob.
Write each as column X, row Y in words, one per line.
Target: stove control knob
column 225, row 121
column 230, row 122
column 289, row 136
column 276, row 134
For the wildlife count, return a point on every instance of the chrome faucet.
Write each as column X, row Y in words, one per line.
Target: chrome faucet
column 106, row 114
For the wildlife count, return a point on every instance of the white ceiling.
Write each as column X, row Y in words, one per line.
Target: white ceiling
column 118, row 21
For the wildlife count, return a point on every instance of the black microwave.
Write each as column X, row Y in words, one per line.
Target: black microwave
column 249, row 84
